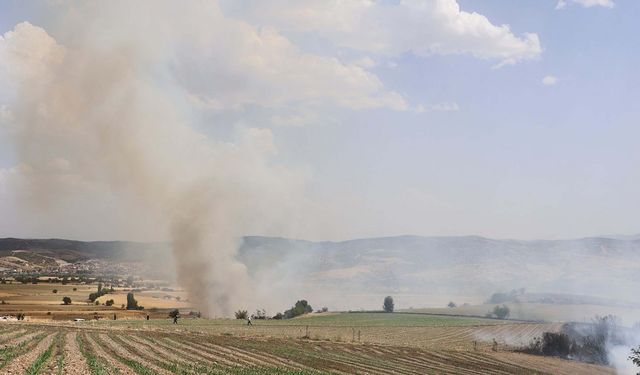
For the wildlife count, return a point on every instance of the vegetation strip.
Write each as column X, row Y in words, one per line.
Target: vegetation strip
column 136, row 366
column 10, row 352
column 95, row 365
column 42, row 358
column 141, row 351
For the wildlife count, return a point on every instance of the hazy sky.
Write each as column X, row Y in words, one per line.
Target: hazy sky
column 513, row 119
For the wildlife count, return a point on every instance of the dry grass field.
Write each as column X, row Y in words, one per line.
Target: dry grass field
column 38, row 301
column 423, row 345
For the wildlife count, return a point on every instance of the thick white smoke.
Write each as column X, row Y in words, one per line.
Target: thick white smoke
column 106, row 115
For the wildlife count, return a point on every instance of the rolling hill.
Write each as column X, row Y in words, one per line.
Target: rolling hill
column 418, row 271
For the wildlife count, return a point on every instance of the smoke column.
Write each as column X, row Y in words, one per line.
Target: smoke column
column 104, row 112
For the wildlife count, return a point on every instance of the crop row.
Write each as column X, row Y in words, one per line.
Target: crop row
column 63, row 350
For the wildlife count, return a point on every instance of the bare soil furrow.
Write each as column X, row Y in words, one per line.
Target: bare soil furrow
column 22, row 338
column 122, row 352
column 107, row 357
column 74, row 362
column 207, row 355
column 21, row 363
column 261, row 356
column 160, row 351
column 5, row 337
column 181, row 353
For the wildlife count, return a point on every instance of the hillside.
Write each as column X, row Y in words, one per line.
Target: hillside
column 418, row 271
column 437, row 269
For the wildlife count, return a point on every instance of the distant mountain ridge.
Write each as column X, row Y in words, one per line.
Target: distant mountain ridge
column 73, row 250
column 413, row 268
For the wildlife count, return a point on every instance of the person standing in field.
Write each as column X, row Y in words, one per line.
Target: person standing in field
column 249, row 321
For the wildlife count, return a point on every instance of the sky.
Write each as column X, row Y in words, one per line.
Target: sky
column 367, row 118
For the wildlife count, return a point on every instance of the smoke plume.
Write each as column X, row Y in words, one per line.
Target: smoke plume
column 104, row 114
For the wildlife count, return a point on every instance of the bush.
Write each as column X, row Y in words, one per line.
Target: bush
column 109, row 302
column 581, row 341
column 501, row 312
column 635, row 356
column 388, row 305
column 278, row 316
column 451, row 305
column 300, row 308
column 66, row 300
column 260, row 314
column 241, row 314
column 174, row 313
column 55, row 291
column 101, row 292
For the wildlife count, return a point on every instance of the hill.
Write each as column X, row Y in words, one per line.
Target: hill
column 417, row 271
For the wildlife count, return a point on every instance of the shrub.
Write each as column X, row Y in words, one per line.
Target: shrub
column 55, row 291
column 260, row 314
column 581, row 341
column 635, row 356
column 174, row 313
column 388, row 305
column 278, row 316
column 109, row 302
column 501, row 312
column 241, row 314
column 451, row 304
column 300, row 308
column 66, row 300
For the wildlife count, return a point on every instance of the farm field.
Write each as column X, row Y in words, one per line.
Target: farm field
column 543, row 312
column 38, row 301
column 409, row 330
column 192, row 347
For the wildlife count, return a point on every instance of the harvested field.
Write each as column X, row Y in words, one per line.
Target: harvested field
column 192, row 348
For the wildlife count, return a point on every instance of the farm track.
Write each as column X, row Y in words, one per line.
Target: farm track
column 140, row 351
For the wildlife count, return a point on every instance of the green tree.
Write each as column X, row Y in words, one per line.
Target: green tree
column 501, row 312
column 388, row 305
column 300, row 308
column 132, row 304
column 66, row 300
